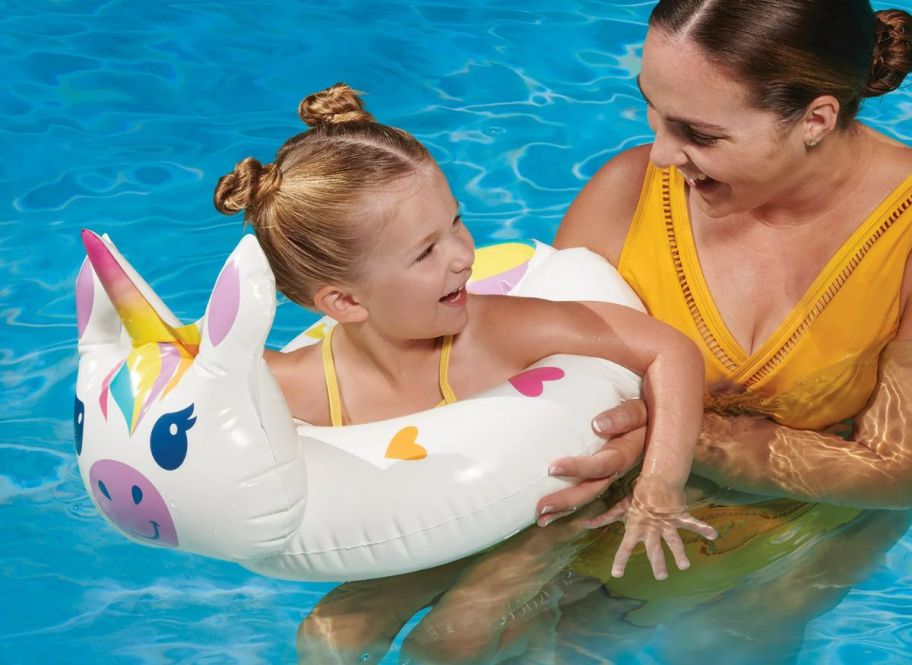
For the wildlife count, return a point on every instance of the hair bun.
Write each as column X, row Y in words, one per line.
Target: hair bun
column 336, row 104
column 892, row 58
column 248, row 183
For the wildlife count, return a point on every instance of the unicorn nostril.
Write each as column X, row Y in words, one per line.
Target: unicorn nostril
column 137, row 494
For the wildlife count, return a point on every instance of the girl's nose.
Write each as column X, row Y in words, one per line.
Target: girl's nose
column 464, row 255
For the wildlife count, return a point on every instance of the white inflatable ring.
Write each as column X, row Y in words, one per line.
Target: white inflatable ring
column 184, row 439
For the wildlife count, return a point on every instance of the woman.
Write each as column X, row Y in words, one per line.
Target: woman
column 778, row 223
column 774, row 229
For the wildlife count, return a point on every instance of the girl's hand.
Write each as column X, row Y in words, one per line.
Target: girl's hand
column 625, row 428
column 654, row 513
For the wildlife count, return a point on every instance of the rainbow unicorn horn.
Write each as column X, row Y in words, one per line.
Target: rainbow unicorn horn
column 145, row 317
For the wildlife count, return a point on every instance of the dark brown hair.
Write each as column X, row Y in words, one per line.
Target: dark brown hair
column 309, row 208
column 788, row 52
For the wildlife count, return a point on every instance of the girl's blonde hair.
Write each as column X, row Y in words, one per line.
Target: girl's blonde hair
column 308, row 208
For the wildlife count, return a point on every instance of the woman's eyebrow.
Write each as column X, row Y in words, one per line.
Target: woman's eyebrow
column 684, row 121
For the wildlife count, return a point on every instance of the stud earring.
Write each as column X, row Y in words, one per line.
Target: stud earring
column 811, row 143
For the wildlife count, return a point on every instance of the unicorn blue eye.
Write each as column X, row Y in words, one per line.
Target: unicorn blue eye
column 168, row 440
column 104, row 490
column 137, row 494
column 78, row 423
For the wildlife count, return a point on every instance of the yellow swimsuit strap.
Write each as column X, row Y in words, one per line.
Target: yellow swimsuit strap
column 332, row 383
column 444, row 375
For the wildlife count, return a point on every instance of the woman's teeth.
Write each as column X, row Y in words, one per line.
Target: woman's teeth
column 694, row 181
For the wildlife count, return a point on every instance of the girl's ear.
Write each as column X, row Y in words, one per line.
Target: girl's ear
column 340, row 304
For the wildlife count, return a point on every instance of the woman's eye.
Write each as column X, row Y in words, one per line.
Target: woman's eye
column 426, row 253
column 700, row 139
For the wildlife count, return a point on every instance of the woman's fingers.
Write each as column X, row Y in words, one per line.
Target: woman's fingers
column 562, row 502
column 623, row 418
column 598, row 465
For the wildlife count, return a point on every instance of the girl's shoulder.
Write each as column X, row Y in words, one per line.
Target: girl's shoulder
column 299, row 374
column 600, row 216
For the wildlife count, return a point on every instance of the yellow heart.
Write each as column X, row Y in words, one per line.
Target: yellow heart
column 317, row 332
column 404, row 445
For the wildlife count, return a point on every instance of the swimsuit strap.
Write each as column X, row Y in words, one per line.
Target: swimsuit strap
column 332, row 384
column 448, row 395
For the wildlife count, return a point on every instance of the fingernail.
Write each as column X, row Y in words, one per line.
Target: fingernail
column 662, row 576
column 617, row 573
column 591, row 525
column 545, row 521
column 545, row 510
column 555, row 470
column 601, row 423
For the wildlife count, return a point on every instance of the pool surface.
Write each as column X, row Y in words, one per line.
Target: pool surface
column 120, row 116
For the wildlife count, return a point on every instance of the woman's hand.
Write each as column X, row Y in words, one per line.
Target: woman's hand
column 654, row 513
column 625, row 428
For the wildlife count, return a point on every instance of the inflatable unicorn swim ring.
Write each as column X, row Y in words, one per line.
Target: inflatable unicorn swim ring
column 184, row 440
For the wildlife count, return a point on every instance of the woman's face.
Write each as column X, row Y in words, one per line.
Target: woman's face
column 735, row 157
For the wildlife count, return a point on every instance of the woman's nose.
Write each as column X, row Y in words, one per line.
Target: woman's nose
column 666, row 149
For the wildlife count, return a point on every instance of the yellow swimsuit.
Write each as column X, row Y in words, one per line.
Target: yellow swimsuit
column 332, row 383
column 819, row 367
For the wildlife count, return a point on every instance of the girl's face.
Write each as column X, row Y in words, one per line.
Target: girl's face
column 735, row 157
column 414, row 287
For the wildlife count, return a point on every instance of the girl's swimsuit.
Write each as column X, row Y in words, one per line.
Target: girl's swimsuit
column 818, row 368
column 332, row 383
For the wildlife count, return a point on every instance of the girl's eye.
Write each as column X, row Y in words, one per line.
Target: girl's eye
column 700, row 139
column 426, row 253
column 458, row 220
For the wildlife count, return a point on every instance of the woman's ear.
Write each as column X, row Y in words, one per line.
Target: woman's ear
column 820, row 118
column 340, row 304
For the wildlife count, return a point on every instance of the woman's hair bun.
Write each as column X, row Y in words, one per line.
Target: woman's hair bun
column 249, row 183
column 336, row 104
column 892, row 58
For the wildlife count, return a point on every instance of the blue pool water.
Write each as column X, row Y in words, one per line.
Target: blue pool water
column 120, row 116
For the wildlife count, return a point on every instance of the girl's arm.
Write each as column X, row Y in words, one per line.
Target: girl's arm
column 672, row 370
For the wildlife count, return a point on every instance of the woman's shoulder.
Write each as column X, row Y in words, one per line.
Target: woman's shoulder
column 600, row 216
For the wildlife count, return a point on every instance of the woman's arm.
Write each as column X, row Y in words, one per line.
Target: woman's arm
column 600, row 216
column 873, row 470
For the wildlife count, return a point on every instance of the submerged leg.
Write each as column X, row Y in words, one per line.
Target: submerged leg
column 357, row 621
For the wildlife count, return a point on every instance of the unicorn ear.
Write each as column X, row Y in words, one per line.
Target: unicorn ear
column 241, row 310
column 98, row 322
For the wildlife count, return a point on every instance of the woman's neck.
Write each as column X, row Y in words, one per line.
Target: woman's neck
column 830, row 175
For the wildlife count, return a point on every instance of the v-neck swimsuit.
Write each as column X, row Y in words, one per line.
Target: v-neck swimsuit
column 820, row 365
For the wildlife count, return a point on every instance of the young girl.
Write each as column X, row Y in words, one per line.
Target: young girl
column 358, row 222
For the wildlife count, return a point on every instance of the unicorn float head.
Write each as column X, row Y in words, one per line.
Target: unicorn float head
column 184, row 403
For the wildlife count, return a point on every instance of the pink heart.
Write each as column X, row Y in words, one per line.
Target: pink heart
column 529, row 383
